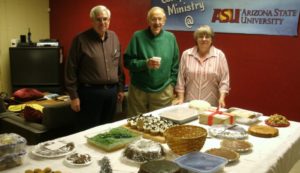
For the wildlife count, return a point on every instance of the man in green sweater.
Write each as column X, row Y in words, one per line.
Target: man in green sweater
column 152, row 60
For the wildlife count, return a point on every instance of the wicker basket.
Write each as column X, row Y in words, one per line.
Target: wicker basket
column 185, row 138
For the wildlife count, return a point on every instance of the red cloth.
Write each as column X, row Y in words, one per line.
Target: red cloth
column 26, row 94
column 32, row 115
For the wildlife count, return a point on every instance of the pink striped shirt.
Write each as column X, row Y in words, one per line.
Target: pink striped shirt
column 204, row 80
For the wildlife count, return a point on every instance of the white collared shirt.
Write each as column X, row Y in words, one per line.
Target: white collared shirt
column 204, row 80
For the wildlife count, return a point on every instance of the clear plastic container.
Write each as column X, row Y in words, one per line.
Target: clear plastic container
column 11, row 143
column 11, row 160
column 198, row 162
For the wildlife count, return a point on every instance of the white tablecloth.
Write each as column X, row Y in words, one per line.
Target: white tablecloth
column 269, row 155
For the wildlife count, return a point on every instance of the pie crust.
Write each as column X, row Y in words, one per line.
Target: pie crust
column 263, row 131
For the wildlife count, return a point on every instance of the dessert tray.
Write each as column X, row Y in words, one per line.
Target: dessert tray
column 237, row 145
column 150, row 127
column 53, row 149
column 277, row 120
column 11, row 143
column 230, row 155
column 113, row 139
column 77, row 159
column 244, row 116
column 180, row 115
column 228, row 131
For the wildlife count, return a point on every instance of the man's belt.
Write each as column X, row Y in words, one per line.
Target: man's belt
column 99, row 86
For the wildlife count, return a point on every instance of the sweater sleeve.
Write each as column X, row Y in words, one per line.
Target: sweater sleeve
column 131, row 59
column 175, row 64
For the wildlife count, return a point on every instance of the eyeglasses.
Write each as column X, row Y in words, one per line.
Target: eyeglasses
column 156, row 19
column 102, row 19
column 204, row 37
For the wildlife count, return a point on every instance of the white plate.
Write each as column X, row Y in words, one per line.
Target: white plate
column 41, row 149
column 237, row 145
column 244, row 120
column 131, row 162
column 71, row 162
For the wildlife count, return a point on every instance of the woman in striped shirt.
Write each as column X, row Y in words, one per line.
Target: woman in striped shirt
column 203, row 72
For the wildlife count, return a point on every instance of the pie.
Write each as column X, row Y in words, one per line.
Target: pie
column 263, row 131
column 223, row 152
column 237, row 145
column 277, row 120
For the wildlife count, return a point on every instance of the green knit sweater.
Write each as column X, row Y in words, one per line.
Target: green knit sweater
column 144, row 45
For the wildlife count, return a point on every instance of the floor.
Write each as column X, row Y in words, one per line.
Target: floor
column 296, row 168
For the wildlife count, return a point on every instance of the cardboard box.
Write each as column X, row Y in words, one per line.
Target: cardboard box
column 216, row 117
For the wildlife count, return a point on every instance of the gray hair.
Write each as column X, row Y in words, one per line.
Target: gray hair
column 153, row 9
column 204, row 30
column 98, row 9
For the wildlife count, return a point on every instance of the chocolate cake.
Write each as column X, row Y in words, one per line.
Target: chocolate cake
column 144, row 150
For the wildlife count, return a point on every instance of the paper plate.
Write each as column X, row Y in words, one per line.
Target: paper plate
column 77, row 159
column 44, row 150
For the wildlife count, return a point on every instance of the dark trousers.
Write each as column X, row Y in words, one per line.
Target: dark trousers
column 97, row 105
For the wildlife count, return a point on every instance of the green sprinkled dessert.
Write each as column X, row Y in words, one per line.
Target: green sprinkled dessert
column 114, row 139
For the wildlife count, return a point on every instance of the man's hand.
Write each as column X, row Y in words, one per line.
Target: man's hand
column 179, row 99
column 75, row 105
column 120, row 97
column 153, row 63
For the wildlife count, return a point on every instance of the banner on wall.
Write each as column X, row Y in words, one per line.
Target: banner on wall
column 270, row 17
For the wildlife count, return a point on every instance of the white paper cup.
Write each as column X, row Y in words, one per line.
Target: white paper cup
column 157, row 59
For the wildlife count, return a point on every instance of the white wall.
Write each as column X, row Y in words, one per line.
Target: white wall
column 16, row 16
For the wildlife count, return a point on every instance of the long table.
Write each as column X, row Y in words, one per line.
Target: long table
column 268, row 155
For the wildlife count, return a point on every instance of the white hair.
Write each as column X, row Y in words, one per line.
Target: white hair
column 98, row 9
column 154, row 9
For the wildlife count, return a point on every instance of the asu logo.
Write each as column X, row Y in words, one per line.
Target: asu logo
column 226, row 16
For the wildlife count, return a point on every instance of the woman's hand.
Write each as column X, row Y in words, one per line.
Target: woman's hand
column 222, row 100
column 222, row 103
